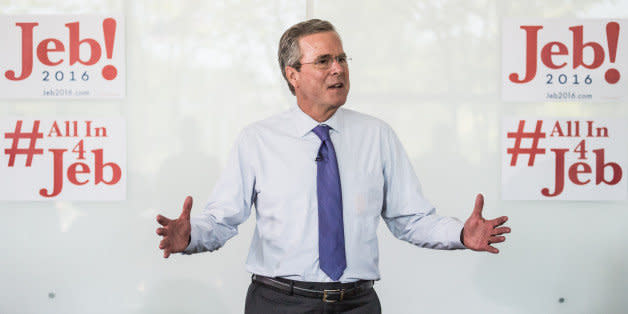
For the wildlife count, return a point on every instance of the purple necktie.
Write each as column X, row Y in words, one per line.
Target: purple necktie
column 331, row 235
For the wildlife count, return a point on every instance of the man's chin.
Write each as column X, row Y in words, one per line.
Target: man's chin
column 337, row 102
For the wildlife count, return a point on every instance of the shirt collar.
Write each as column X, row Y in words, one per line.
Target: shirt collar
column 304, row 123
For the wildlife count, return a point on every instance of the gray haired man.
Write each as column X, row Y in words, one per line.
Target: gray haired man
column 320, row 177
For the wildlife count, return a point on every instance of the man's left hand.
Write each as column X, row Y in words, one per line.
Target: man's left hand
column 478, row 233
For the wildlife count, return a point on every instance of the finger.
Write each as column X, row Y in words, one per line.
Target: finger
column 166, row 253
column 491, row 249
column 501, row 230
column 187, row 208
column 163, row 244
column 479, row 204
column 499, row 221
column 497, row 239
column 163, row 220
column 162, row 231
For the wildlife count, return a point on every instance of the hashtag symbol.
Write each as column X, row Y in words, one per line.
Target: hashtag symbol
column 31, row 150
column 532, row 151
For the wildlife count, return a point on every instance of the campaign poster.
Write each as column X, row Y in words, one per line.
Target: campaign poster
column 62, row 56
column 62, row 159
column 564, row 158
column 564, row 60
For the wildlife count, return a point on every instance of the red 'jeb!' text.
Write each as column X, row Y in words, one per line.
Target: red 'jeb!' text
column 54, row 45
column 557, row 48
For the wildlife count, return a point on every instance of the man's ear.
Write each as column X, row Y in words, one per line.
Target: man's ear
column 293, row 76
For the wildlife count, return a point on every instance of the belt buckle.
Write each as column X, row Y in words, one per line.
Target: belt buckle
column 325, row 295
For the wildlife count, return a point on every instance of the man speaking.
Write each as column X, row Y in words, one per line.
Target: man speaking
column 320, row 176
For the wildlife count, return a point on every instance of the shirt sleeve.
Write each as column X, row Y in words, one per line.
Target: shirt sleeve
column 408, row 215
column 229, row 203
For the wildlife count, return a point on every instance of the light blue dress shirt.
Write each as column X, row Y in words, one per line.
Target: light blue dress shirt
column 273, row 167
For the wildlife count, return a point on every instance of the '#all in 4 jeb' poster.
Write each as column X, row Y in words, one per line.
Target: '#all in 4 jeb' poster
column 62, row 159
column 564, row 159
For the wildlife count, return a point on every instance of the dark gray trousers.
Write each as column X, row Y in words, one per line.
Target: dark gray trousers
column 262, row 299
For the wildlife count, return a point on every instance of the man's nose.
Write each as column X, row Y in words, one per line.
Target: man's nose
column 337, row 67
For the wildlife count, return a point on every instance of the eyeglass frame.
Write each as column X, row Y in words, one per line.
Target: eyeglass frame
column 326, row 58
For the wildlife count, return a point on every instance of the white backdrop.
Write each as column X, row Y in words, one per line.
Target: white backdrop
column 198, row 71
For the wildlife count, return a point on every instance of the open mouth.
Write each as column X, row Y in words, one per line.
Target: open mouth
column 336, row 86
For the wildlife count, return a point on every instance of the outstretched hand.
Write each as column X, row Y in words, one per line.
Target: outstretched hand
column 478, row 233
column 175, row 232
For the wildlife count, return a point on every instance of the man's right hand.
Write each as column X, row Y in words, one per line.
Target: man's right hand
column 176, row 232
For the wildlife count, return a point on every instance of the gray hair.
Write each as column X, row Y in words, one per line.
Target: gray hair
column 289, row 52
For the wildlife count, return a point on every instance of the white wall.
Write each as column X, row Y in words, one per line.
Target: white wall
column 198, row 71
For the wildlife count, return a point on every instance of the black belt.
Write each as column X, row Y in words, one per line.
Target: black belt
column 346, row 290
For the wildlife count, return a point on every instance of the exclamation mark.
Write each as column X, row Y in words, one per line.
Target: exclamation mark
column 612, row 34
column 109, row 72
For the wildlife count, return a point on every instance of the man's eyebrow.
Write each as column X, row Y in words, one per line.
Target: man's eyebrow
column 323, row 56
column 329, row 56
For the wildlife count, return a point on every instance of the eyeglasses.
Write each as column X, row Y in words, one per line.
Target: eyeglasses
column 325, row 62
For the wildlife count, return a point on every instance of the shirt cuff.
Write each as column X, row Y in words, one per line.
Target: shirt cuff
column 455, row 230
column 194, row 236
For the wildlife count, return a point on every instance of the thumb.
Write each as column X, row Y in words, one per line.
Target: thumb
column 479, row 204
column 187, row 208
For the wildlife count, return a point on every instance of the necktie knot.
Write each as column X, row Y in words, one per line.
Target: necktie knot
column 322, row 131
